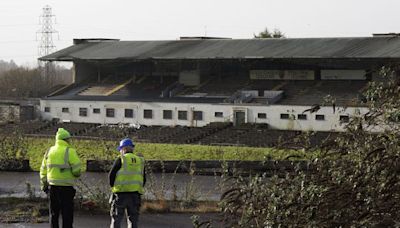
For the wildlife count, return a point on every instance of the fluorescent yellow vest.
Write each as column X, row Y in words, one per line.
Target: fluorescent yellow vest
column 129, row 178
column 61, row 165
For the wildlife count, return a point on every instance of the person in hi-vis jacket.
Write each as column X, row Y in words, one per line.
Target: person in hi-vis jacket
column 127, row 178
column 60, row 168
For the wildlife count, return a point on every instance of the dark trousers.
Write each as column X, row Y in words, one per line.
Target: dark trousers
column 129, row 201
column 62, row 200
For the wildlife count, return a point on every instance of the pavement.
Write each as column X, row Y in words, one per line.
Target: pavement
column 170, row 220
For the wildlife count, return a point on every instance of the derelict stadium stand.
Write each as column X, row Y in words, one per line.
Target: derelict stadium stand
column 344, row 92
column 108, row 132
column 177, row 134
column 225, row 137
column 265, row 84
column 212, row 134
column 223, row 87
column 96, row 90
column 294, row 90
column 155, row 134
column 258, row 137
column 28, row 127
column 105, row 87
column 249, row 137
column 195, row 134
column 76, row 129
column 162, row 134
column 150, row 87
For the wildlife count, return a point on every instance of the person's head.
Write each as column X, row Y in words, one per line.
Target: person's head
column 127, row 149
column 63, row 134
column 126, row 146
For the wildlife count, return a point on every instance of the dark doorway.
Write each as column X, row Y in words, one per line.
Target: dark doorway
column 240, row 118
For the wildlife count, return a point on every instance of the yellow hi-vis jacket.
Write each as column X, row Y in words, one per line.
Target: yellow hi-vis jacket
column 129, row 178
column 60, row 166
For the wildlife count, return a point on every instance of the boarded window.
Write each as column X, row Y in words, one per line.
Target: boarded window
column 167, row 114
column 82, row 111
column 302, row 116
column 197, row 115
column 219, row 114
column 128, row 113
column 182, row 115
column 110, row 112
column 344, row 119
column 320, row 117
column 262, row 115
column 148, row 114
column 284, row 116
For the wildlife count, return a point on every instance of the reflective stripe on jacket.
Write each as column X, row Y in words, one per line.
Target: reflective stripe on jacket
column 60, row 166
column 130, row 176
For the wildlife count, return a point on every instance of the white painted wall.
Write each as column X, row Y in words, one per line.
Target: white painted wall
column 331, row 122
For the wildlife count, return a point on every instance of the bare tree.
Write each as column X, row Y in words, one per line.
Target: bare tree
column 26, row 82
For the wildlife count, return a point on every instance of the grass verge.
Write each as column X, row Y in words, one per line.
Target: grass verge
column 106, row 150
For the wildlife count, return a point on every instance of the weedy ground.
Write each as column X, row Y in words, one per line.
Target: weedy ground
column 19, row 210
column 16, row 210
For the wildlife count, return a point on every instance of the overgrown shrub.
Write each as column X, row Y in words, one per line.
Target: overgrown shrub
column 93, row 196
column 355, row 180
column 13, row 146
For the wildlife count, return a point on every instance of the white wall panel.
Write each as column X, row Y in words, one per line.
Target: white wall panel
column 273, row 112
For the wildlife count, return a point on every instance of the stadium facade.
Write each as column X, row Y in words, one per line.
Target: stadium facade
column 288, row 84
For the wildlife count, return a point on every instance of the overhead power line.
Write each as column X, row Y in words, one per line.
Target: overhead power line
column 46, row 45
column 47, row 19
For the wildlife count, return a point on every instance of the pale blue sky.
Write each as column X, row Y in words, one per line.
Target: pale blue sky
column 170, row 19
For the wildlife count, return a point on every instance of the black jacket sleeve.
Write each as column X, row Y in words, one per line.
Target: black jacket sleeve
column 113, row 172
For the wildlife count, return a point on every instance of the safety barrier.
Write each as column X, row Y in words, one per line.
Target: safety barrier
column 15, row 165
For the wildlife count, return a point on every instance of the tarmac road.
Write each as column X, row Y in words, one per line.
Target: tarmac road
column 13, row 184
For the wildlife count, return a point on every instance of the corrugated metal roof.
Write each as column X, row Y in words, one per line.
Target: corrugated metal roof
column 142, row 99
column 361, row 47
